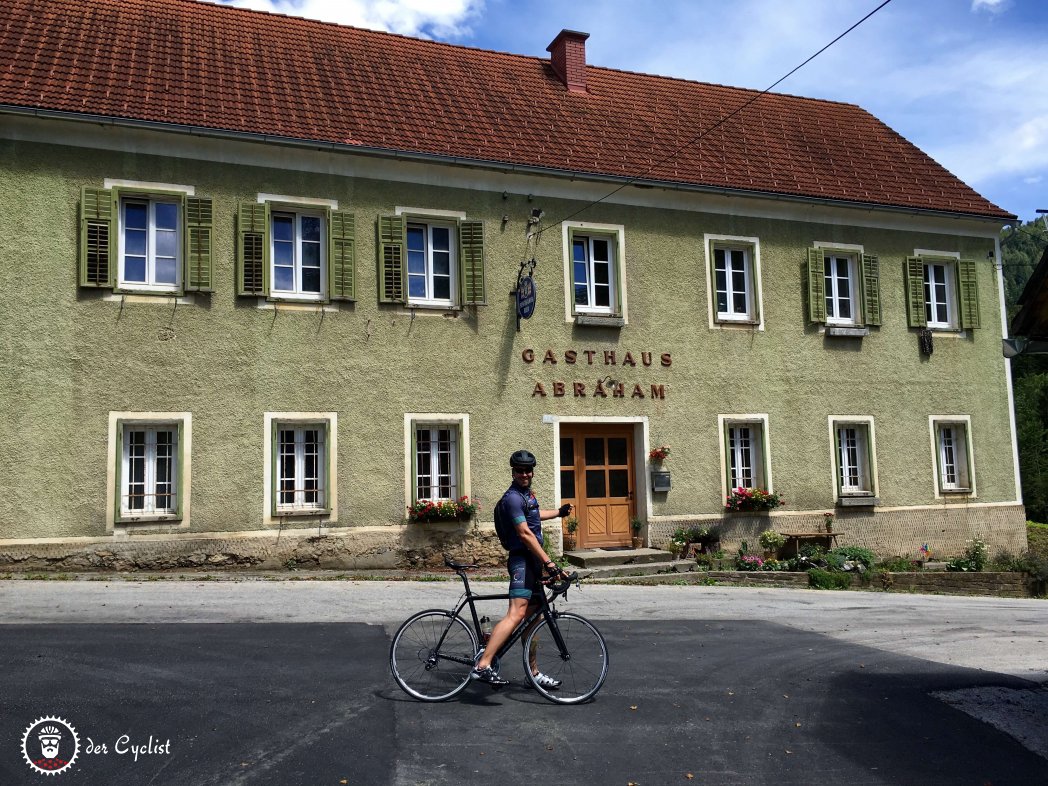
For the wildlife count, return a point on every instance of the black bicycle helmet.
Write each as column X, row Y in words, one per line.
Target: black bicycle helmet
column 522, row 458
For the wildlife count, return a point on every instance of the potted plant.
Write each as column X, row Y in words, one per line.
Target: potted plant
column 659, row 454
column 571, row 528
column 771, row 541
column 635, row 526
column 828, row 521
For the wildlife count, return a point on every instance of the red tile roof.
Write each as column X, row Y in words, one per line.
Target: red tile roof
column 198, row 64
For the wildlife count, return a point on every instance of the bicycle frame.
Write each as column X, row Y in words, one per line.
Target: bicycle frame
column 545, row 610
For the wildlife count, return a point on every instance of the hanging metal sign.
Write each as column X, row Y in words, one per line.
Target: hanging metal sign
column 526, row 297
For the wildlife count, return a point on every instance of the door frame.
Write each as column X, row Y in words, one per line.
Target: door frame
column 639, row 424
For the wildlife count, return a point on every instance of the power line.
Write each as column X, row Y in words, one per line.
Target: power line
column 716, row 125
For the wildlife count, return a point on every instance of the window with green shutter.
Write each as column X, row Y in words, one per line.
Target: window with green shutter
column 145, row 240
column 746, row 465
column 430, row 261
column 843, row 287
column 942, row 293
column 292, row 252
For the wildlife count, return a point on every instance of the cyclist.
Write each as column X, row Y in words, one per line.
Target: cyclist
column 518, row 521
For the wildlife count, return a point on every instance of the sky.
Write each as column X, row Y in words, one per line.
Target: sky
column 964, row 80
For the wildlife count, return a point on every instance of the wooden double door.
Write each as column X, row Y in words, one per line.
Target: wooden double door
column 597, row 476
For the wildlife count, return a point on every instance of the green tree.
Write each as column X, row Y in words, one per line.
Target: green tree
column 1021, row 250
column 1031, row 416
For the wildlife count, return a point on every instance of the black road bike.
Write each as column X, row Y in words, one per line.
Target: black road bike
column 434, row 651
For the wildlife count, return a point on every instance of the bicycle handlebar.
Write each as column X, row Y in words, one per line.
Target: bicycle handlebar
column 562, row 585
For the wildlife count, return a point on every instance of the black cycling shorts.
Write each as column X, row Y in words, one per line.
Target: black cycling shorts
column 525, row 576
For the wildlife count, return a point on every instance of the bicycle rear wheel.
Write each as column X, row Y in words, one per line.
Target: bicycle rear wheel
column 581, row 672
column 432, row 654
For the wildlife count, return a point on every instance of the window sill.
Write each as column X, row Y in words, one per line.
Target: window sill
column 864, row 501
column 955, row 492
column 281, row 514
column 847, row 331
column 165, row 298
column 595, row 320
column 290, row 304
column 161, row 518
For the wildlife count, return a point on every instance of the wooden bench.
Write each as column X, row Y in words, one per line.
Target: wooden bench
column 794, row 541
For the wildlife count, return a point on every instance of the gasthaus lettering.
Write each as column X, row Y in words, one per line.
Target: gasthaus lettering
column 605, row 387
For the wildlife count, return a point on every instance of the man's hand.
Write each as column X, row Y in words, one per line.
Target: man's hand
column 565, row 510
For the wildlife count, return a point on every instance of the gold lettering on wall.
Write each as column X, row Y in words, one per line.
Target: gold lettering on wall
column 607, row 385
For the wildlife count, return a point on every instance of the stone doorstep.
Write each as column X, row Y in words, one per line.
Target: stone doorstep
column 594, row 558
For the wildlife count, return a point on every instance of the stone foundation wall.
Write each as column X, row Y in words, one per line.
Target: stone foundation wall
column 353, row 548
column 900, row 532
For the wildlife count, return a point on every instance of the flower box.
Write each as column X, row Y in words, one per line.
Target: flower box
column 748, row 500
column 427, row 511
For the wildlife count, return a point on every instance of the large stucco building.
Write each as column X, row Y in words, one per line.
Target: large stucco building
column 259, row 278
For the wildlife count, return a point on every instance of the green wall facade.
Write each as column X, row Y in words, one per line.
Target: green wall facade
column 70, row 356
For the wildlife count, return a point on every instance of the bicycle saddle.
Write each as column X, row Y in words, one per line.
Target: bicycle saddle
column 456, row 565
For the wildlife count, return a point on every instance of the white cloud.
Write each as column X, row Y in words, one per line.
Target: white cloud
column 990, row 6
column 440, row 19
column 1034, row 180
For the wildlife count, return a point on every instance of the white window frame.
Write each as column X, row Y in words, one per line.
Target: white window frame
column 867, row 461
column 615, row 234
column 301, row 452
column 150, row 201
column 296, row 214
column 326, row 508
column 834, row 299
column 427, row 226
column 456, row 421
column 750, row 246
column 120, row 517
column 761, row 451
column 590, row 262
column 963, row 455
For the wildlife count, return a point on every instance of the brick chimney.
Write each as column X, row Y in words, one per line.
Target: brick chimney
column 568, row 58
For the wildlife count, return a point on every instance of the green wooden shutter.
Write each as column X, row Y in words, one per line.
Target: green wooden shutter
column 471, row 262
column 253, row 249
column 179, row 467
column 837, row 456
column 413, row 472
column 759, row 426
column 392, row 231
column 97, row 238
column 274, row 462
column 197, row 272
column 328, row 461
column 756, row 286
column 727, row 456
column 816, row 285
column 618, row 274
column 461, row 469
column 967, row 281
column 119, row 469
column 342, row 256
column 870, row 276
column 915, row 313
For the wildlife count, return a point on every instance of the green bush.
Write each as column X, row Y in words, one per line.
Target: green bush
column 854, row 557
column 824, row 579
column 1037, row 535
column 974, row 559
column 897, row 565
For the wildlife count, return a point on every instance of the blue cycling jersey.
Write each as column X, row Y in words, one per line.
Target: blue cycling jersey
column 519, row 504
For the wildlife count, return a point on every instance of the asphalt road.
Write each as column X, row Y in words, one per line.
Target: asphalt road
column 285, row 683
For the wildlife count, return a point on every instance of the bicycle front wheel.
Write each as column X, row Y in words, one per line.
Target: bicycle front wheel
column 432, row 654
column 580, row 671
